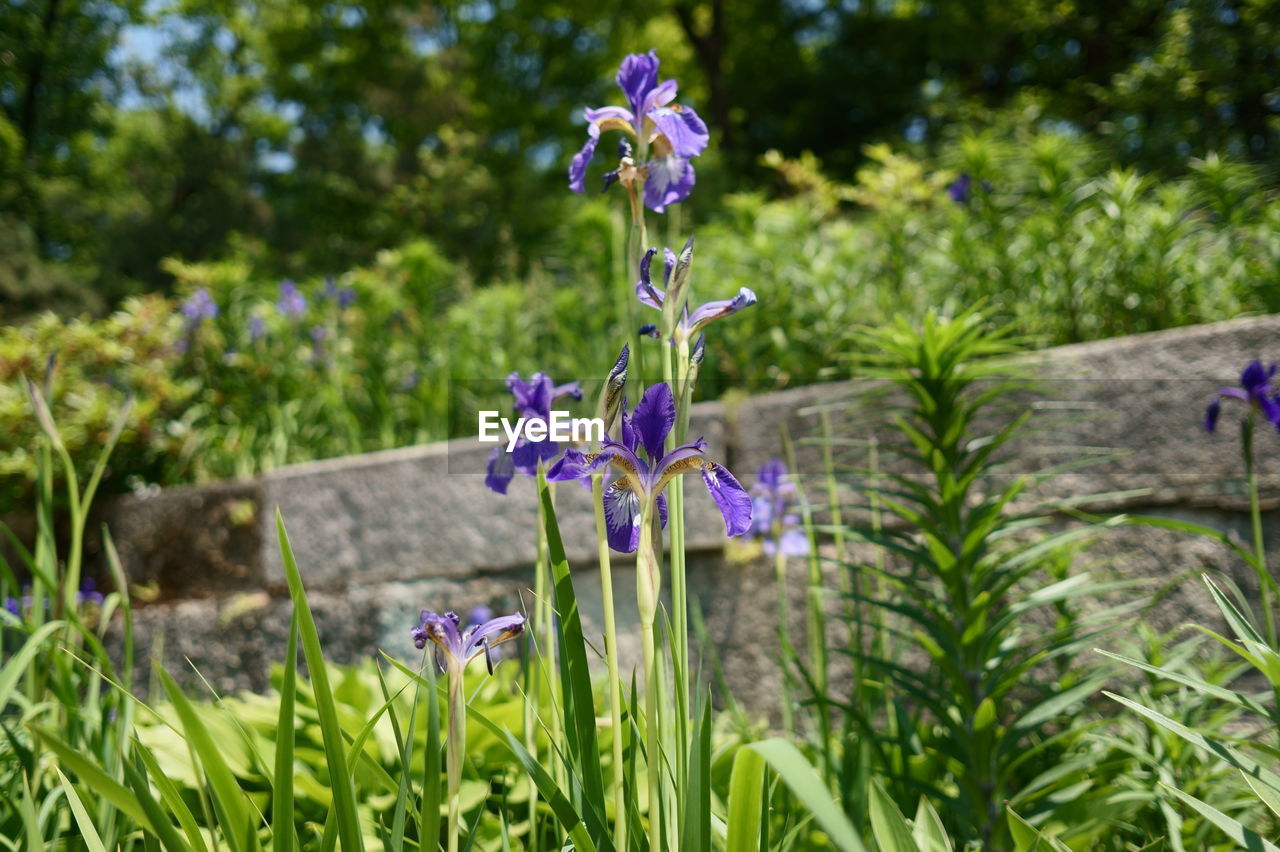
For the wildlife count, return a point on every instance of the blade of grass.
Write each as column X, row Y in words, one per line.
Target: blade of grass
column 787, row 761
column 575, row 677
column 344, row 795
column 88, row 833
column 282, row 831
column 135, row 775
column 230, row 803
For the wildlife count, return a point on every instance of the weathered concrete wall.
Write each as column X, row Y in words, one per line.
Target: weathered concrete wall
column 382, row 535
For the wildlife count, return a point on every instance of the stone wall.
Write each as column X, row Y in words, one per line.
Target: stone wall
column 382, row 535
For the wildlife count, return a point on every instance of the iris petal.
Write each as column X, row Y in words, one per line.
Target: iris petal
column 704, row 314
column 686, row 132
column 638, row 77
column 670, row 181
column 499, row 471
column 622, row 511
column 578, row 166
column 575, row 464
column 653, row 418
column 730, row 497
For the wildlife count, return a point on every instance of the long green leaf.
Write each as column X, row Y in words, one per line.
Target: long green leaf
column 551, row 792
column 344, row 794
column 229, row 802
column 93, row 775
column 787, row 761
column 30, row 819
column 575, row 676
column 172, row 798
column 135, row 775
column 17, row 665
column 927, row 830
column 283, row 837
column 888, row 824
column 746, row 795
column 429, row 813
column 88, row 833
column 1245, row 837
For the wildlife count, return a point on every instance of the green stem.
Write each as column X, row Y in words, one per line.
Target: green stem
column 1259, row 545
column 648, row 588
column 784, row 629
column 456, row 751
column 611, row 659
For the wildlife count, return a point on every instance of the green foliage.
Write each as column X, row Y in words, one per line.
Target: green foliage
column 964, row 640
column 1060, row 248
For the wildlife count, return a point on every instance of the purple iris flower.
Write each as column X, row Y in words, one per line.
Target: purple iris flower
column 13, row 606
column 645, row 478
column 690, row 323
column 257, row 327
column 89, row 593
column 960, row 188
column 1255, row 391
column 774, row 492
column 198, row 307
column 291, row 302
column 675, row 133
column 459, row 647
column 533, row 401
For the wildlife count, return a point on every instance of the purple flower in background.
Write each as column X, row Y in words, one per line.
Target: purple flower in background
column 645, row 478
column 198, row 307
column 318, row 335
column 674, row 133
column 459, row 647
column 690, row 323
column 346, row 298
column 13, row 606
column 533, row 401
column 257, row 328
column 89, row 593
column 773, row 493
column 1255, row 391
column 960, row 188
column 291, row 302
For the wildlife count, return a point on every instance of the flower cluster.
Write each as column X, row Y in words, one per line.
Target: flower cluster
column 1255, row 391
column 770, row 520
column 672, row 134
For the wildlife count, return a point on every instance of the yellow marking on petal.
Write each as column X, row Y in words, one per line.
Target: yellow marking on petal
column 615, row 123
column 661, row 146
column 689, row 465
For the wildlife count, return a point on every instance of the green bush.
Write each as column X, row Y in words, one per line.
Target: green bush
column 1035, row 225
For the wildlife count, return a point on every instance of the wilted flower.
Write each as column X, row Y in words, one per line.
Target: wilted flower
column 291, row 302
column 459, row 647
column 689, row 323
column 533, row 401
column 773, row 493
column 1255, row 391
column 645, row 478
column 674, row 134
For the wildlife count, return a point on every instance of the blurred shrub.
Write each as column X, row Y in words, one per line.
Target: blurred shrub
column 1034, row 224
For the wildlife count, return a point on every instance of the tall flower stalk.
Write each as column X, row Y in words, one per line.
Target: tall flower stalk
column 455, row 648
column 1257, row 394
